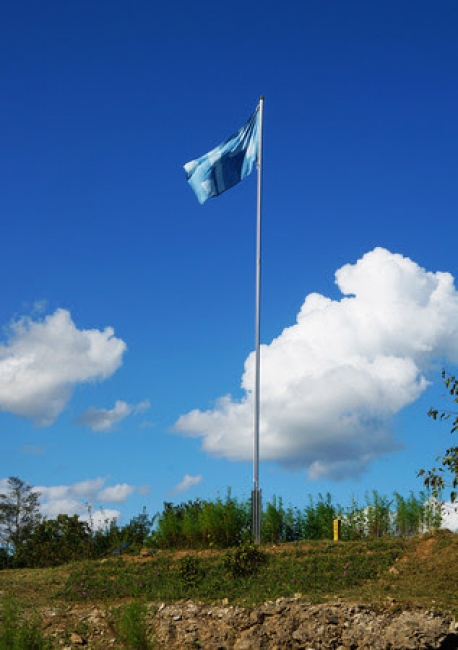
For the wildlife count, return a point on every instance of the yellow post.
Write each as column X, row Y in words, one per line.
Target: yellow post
column 337, row 524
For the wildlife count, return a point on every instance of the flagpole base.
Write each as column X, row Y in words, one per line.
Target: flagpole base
column 256, row 508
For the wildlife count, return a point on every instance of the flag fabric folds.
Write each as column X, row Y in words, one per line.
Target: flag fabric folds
column 225, row 165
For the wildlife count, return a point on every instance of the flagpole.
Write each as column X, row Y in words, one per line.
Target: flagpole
column 256, row 493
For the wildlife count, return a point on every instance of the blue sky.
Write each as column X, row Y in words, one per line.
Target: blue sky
column 127, row 309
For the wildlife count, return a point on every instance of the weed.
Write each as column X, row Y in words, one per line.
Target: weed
column 131, row 626
column 20, row 635
column 190, row 571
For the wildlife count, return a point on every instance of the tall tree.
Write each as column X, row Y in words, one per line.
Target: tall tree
column 445, row 474
column 19, row 512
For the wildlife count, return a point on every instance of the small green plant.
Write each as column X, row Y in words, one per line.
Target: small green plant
column 190, row 571
column 20, row 635
column 132, row 628
column 245, row 560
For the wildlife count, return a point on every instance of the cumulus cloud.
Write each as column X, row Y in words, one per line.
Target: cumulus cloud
column 332, row 381
column 116, row 493
column 98, row 519
column 104, row 419
column 89, row 491
column 86, row 489
column 42, row 361
column 99, row 419
column 185, row 484
column 74, row 499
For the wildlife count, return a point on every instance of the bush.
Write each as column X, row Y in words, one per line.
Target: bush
column 54, row 542
column 191, row 572
column 245, row 560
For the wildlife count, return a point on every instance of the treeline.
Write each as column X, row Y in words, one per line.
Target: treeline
column 225, row 523
column 29, row 540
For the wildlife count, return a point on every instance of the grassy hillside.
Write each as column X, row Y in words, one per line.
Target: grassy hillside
column 421, row 570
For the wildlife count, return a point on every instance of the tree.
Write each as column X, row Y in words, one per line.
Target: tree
column 19, row 513
column 435, row 479
column 54, row 542
column 138, row 529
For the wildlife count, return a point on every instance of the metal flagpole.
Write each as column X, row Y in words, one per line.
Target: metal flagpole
column 256, row 492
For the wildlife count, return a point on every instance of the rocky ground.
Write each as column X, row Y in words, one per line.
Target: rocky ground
column 288, row 623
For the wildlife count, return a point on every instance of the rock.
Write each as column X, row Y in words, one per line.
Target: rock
column 287, row 623
column 76, row 639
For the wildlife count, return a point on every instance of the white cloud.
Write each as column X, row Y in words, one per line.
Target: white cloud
column 42, row 361
column 87, row 489
column 82, row 499
column 331, row 382
column 116, row 493
column 186, row 483
column 56, row 493
column 141, row 407
column 90, row 490
column 51, row 509
column 100, row 519
column 105, row 419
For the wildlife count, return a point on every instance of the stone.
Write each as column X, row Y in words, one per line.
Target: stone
column 76, row 639
column 290, row 624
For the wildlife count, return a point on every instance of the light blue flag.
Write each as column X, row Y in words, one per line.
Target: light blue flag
column 226, row 165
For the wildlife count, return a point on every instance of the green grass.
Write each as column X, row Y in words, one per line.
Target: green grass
column 317, row 570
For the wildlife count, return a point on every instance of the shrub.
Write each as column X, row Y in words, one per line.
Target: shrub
column 245, row 560
column 191, row 572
